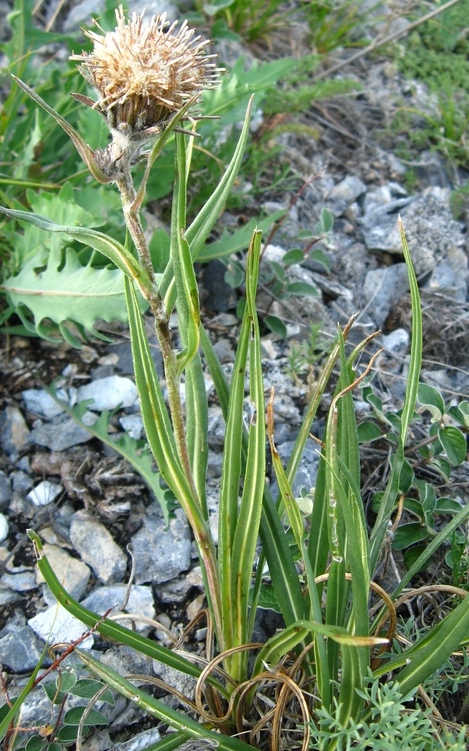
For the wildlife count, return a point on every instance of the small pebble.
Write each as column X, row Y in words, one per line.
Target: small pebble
column 44, row 493
column 3, row 527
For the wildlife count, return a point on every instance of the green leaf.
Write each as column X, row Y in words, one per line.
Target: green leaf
column 219, row 30
column 454, row 444
column 239, row 522
column 443, row 466
column 35, row 743
column 54, row 696
column 66, row 680
column 368, row 431
column 54, row 747
column 114, row 251
column 408, row 534
column 94, row 717
column 235, row 274
column 406, row 477
column 302, row 288
column 107, row 628
column 431, row 398
column 72, row 293
column 267, row 599
column 305, row 234
column 414, row 506
column 433, row 545
column 319, row 256
column 415, row 363
column 276, row 325
column 159, row 249
column 67, row 734
column 431, row 652
column 412, row 555
column 86, row 688
column 447, row 506
column 327, row 220
column 216, row 6
column 278, row 271
column 293, row 257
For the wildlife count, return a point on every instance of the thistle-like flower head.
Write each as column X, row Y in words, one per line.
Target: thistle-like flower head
column 145, row 72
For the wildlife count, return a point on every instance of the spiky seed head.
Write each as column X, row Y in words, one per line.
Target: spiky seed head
column 144, row 72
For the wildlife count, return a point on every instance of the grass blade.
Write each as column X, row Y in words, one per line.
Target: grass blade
column 181, row 721
column 390, row 494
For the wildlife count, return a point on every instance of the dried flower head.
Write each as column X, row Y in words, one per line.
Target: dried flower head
column 145, row 72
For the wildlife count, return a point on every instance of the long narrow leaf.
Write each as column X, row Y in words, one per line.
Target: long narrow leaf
column 107, row 627
column 86, row 153
column 189, row 328
column 182, row 263
column 296, row 523
column 154, row 413
column 275, row 545
column 163, row 445
column 181, row 721
column 230, row 480
column 204, row 222
column 426, row 657
column 390, row 494
column 250, row 508
column 287, row 639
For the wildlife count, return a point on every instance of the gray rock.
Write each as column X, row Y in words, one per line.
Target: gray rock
column 133, row 425
column 306, row 474
column 214, row 464
column 174, row 591
column 19, row 579
column 5, row 491
column 126, row 660
column 57, row 625
column 3, row 527
column 161, row 553
column 71, row 572
column 63, row 433
column 109, row 393
column 380, row 230
column 348, row 190
column 382, row 289
column 84, row 12
column 96, row 547
column 20, row 649
column 180, row 681
column 139, row 742
column 216, row 428
column 383, row 195
column 224, row 350
column 44, row 493
column 446, row 280
column 41, row 403
column 139, row 602
column 8, row 597
column 21, row 482
column 430, row 229
column 14, row 433
column 397, row 342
